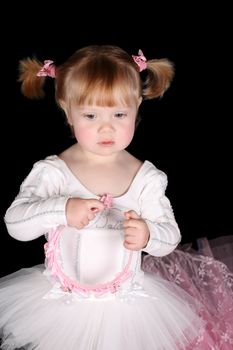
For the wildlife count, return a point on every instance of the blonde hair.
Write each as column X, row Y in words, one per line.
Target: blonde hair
column 103, row 75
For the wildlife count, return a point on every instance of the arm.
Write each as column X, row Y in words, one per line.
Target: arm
column 158, row 215
column 40, row 204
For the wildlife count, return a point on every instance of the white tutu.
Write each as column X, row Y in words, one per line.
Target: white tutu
column 159, row 317
column 94, row 295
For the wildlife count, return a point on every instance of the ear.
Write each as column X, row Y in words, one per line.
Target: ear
column 65, row 109
column 69, row 119
column 139, row 101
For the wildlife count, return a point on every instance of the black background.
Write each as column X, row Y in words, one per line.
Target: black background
column 186, row 134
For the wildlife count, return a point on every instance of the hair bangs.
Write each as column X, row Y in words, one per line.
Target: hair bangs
column 104, row 85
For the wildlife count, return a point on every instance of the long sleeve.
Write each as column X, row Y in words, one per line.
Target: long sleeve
column 40, row 204
column 158, row 214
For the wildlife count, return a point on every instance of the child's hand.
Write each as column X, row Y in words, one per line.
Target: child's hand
column 79, row 212
column 136, row 231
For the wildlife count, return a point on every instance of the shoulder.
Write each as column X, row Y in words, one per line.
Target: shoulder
column 50, row 162
column 50, row 169
column 151, row 174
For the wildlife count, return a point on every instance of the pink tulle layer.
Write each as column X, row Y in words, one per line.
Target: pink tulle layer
column 206, row 279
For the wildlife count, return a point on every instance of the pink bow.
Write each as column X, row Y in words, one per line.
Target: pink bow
column 140, row 60
column 48, row 70
column 107, row 200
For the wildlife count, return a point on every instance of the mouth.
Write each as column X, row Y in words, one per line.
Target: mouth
column 106, row 143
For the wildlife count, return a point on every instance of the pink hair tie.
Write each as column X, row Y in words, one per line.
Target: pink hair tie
column 48, row 70
column 140, row 60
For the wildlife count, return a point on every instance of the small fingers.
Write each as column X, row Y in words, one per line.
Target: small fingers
column 94, row 210
column 80, row 225
column 131, row 214
column 91, row 216
column 130, row 223
column 83, row 223
column 95, row 205
column 130, row 246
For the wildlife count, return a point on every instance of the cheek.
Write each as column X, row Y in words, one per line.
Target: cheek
column 82, row 133
column 128, row 132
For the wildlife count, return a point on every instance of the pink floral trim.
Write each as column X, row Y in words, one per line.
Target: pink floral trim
column 67, row 284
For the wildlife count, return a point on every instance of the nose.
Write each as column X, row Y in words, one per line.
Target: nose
column 106, row 125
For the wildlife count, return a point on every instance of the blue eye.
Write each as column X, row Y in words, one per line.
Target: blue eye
column 120, row 115
column 89, row 116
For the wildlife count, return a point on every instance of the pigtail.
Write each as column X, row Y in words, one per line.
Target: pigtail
column 160, row 73
column 32, row 85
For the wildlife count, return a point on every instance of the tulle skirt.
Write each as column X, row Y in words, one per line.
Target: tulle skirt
column 186, row 303
column 162, row 317
column 210, row 281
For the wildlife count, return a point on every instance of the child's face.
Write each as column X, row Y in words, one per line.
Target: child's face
column 103, row 130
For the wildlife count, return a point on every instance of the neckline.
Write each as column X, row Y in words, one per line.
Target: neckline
column 140, row 170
